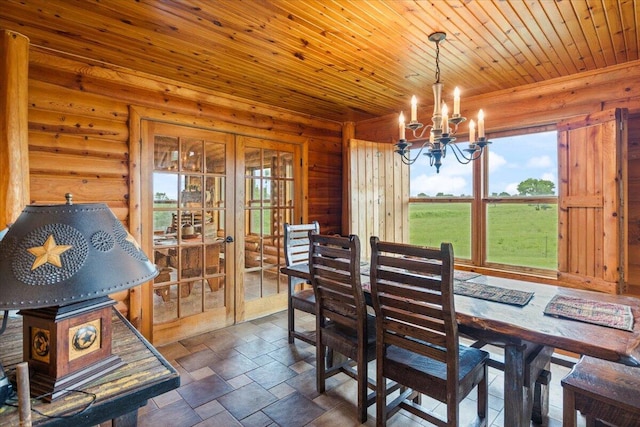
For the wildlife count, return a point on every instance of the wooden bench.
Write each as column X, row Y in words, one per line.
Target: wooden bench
column 601, row 391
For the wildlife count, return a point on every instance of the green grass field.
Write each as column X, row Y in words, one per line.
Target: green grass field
column 518, row 234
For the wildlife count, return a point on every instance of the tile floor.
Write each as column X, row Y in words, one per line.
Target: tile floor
column 249, row 375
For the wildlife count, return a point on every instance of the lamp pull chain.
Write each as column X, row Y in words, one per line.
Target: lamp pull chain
column 69, row 198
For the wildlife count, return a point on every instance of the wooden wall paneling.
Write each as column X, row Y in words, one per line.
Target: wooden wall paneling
column 55, row 142
column 379, row 192
column 48, row 96
column 147, row 90
column 396, row 216
column 53, row 121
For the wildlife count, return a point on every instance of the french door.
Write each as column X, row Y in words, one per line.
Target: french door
column 267, row 183
column 189, row 198
column 215, row 203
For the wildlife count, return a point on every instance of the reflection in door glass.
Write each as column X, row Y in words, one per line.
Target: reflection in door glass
column 268, row 205
column 188, row 225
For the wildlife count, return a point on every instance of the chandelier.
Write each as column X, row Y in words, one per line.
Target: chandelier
column 443, row 127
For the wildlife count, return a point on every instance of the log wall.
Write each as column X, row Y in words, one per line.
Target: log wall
column 79, row 134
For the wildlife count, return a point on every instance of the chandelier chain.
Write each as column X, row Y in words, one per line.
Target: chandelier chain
column 437, row 62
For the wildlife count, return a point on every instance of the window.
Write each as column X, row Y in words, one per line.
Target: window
column 517, row 208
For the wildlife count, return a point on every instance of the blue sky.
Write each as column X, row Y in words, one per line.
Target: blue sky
column 511, row 161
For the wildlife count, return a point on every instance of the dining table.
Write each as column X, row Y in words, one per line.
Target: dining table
column 531, row 329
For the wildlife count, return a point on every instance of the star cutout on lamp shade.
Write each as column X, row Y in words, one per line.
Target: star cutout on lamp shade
column 133, row 241
column 49, row 253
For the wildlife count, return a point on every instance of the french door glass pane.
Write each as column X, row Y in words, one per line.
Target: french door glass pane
column 188, row 222
column 268, row 180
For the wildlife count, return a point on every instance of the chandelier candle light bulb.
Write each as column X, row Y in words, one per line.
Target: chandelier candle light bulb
column 456, row 102
column 472, row 132
column 480, row 124
column 445, row 119
column 401, row 125
column 414, row 109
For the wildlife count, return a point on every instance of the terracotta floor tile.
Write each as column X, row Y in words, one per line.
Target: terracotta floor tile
column 294, row 410
column 204, row 390
column 247, row 400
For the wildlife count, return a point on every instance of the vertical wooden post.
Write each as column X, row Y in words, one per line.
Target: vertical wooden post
column 14, row 125
column 348, row 132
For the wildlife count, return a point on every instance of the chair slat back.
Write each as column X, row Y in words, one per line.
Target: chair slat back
column 296, row 242
column 412, row 291
column 334, row 264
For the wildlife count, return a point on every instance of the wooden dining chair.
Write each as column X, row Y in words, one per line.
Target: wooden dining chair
column 296, row 246
column 342, row 322
column 417, row 334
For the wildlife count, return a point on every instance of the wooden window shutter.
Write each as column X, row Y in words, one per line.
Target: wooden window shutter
column 378, row 193
column 592, row 196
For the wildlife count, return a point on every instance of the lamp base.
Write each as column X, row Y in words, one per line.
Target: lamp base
column 68, row 346
column 52, row 388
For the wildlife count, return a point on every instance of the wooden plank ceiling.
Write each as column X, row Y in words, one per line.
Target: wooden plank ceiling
column 337, row 59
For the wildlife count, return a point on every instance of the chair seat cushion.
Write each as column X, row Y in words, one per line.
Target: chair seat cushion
column 469, row 359
column 304, row 300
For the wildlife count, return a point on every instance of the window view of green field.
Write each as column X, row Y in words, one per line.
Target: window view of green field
column 433, row 223
column 520, row 234
column 517, row 232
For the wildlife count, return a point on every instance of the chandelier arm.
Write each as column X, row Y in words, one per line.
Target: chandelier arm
column 407, row 160
column 421, row 134
column 462, row 157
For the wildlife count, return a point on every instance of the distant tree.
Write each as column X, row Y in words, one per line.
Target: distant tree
column 505, row 194
column 440, row 194
column 422, row 195
column 536, row 187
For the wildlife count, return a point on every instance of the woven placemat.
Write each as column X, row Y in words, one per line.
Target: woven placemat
column 608, row 314
column 465, row 275
column 493, row 293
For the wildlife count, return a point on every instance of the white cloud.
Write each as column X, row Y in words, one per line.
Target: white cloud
column 549, row 176
column 539, row 162
column 512, row 188
column 447, row 183
column 496, row 161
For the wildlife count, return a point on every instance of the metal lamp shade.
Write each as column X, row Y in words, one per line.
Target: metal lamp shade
column 59, row 254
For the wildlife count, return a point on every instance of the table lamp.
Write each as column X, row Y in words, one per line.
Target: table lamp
column 58, row 264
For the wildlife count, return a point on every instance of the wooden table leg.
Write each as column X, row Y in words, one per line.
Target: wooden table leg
column 523, row 364
column 514, row 390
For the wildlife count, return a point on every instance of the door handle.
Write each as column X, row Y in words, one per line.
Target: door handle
column 229, row 239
